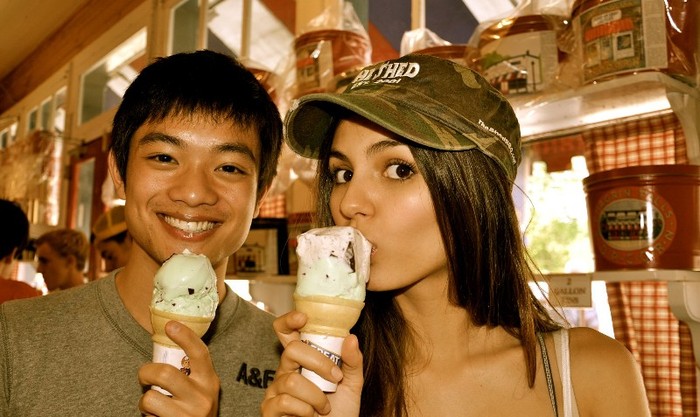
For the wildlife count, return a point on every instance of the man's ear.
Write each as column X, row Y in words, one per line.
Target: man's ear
column 117, row 179
column 260, row 200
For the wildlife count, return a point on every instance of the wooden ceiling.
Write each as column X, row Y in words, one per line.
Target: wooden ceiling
column 26, row 24
column 37, row 37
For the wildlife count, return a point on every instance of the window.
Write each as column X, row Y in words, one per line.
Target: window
column 103, row 86
column 184, row 26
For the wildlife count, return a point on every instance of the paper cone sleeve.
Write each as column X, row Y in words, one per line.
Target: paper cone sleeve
column 332, row 316
column 159, row 319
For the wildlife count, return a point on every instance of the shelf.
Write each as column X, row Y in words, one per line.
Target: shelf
column 272, row 279
column 660, row 275
column 639, row 95
column 683, row 293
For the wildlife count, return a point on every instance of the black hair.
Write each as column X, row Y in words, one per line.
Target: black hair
column 206, row 83
column 15, row 232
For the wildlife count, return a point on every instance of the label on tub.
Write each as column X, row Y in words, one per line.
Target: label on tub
column 633, row 226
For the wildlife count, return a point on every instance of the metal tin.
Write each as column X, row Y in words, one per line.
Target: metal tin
column 645, row 217
column 520, row 55
column 618, row 37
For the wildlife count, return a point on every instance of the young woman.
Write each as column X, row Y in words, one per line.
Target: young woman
column 420, row 154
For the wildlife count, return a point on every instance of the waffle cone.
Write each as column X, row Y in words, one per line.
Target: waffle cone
column 332, row 316
column 159, row 319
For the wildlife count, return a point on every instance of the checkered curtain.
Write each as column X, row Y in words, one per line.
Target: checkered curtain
column 642, row 318
column 274, row 206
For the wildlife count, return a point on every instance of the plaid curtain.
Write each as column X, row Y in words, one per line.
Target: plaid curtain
column 642, row 318
column 274, row 206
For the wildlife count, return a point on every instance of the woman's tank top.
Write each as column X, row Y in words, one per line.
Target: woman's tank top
column 561, row 347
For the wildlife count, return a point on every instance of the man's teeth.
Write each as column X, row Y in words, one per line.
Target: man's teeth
column 191, row 227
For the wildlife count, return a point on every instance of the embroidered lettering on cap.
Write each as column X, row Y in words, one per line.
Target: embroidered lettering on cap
column 387, row 73
column 501, row 138
column 397, row 69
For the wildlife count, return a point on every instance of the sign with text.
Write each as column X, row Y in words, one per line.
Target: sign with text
column 570, row 291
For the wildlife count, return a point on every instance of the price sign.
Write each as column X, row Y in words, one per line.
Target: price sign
column 570, row 291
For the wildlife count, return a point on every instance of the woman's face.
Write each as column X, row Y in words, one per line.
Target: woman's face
column 379, row 190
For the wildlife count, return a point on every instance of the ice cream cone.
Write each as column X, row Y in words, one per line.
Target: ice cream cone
column 329, row 320
column 332, row 316
column 159, row 319
column 167, row 351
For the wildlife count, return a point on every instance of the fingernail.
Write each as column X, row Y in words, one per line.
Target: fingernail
column 337, row 373
column 174, row 326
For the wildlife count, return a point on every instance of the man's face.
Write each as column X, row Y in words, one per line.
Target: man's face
column 55, row 268
column 191, row 184
column 113, row 253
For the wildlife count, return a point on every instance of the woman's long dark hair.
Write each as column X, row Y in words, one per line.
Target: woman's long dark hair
column 487, row 263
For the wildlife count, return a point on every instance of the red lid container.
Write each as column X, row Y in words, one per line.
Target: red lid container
column 645, row 217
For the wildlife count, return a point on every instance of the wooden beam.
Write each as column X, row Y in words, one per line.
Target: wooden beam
column 86, row 25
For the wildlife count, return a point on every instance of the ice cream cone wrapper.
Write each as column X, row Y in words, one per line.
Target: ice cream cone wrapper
column 329, row 320
column 167, row 351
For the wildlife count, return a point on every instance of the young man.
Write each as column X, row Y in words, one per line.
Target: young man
column 61, row 257
column 195, row 147
column 14, row 239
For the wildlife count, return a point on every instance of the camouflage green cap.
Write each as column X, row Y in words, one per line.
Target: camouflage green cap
column 427, row 100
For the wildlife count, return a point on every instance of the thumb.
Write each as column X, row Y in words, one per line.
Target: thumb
column 353, row 376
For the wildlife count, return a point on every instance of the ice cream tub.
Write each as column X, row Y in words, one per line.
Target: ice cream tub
column 521, row 55
column 621, row 37
column 645, row 217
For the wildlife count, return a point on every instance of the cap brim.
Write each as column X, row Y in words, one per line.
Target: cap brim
column 309, row 120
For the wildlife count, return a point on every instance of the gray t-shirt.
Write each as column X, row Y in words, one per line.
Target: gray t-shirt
column 77, row 353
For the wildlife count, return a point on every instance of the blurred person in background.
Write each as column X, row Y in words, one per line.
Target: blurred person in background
column 111, row 239
column 61, row 256
column 12, row 241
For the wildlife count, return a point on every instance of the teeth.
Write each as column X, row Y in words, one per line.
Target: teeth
column 191, row 227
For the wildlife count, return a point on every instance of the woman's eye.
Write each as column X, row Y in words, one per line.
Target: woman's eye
column 400, row 171
column 342, row 176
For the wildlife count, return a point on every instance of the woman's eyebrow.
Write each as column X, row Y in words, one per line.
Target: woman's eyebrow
column 382, row 145
column 371, row 150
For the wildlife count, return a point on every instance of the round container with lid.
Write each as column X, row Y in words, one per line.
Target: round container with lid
column 521, row 55
column 645, row 217
column 615, row 37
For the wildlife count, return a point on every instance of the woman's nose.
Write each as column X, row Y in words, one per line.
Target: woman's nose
column 355, row 200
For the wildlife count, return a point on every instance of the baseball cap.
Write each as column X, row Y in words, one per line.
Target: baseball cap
column 431, row 101
column 109, row 224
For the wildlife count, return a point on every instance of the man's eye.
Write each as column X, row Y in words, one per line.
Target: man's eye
column 162, row 158
column 342, row 176
column 400, row 171
column 230, row 169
